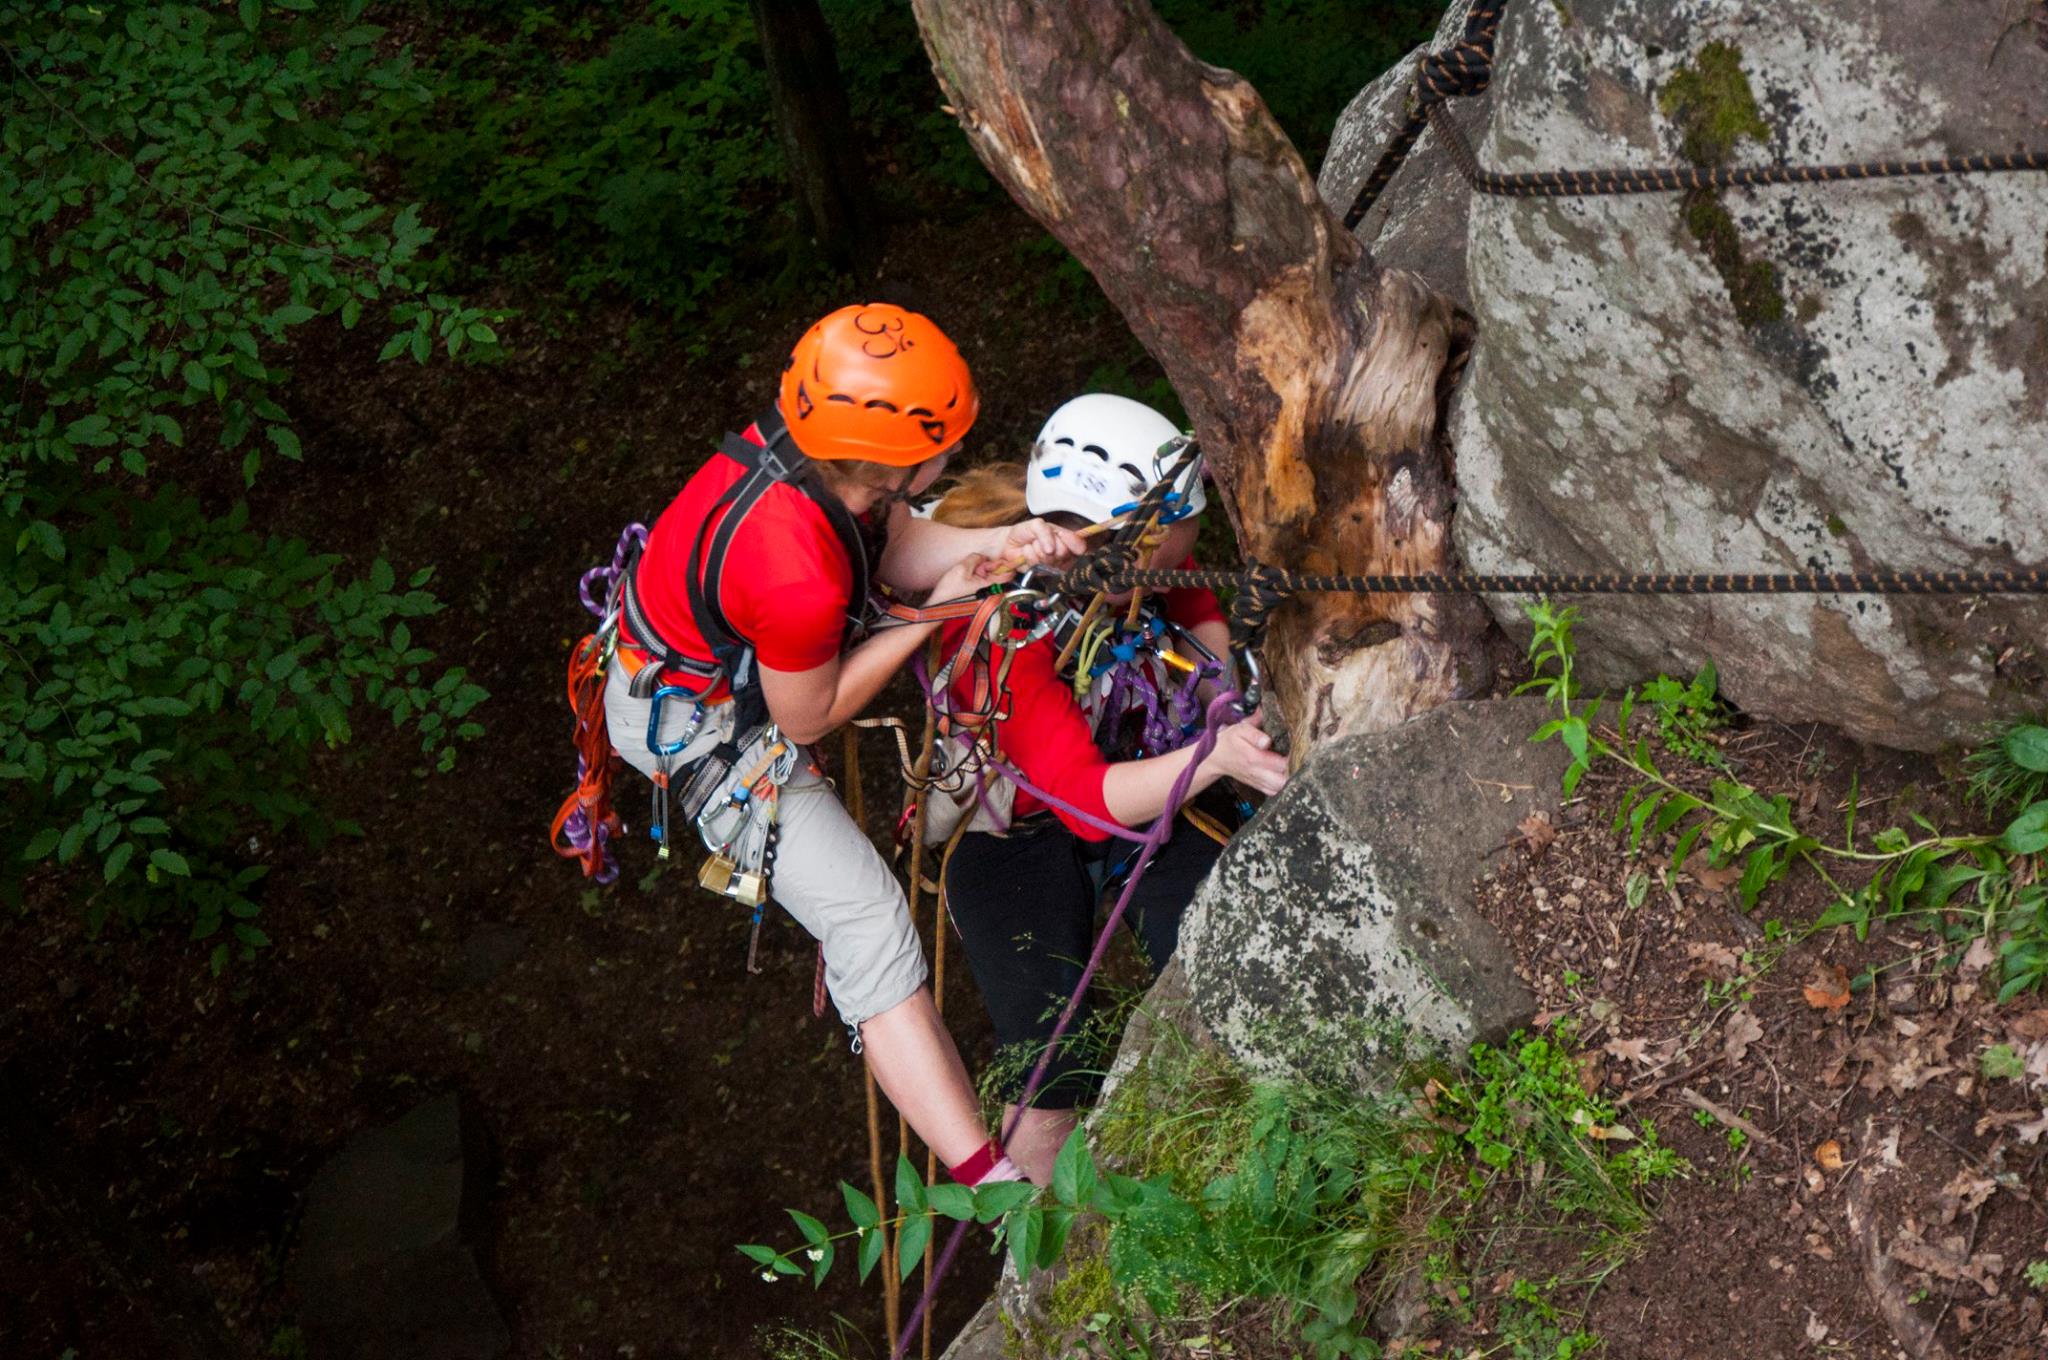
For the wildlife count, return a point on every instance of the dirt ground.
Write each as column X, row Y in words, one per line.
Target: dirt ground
column 1887, row 1193
column 651, row 1104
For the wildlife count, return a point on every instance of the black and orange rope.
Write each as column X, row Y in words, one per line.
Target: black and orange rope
column 1466, row 68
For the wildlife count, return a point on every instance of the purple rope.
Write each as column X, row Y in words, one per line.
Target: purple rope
column 576, row 831
column 607, row 577
column 1150, row 843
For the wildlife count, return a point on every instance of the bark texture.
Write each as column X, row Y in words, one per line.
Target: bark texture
column 1312, row 376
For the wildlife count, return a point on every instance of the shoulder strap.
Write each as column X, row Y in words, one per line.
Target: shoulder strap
column 766, row 464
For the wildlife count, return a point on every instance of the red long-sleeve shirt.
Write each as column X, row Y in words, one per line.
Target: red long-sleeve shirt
column 1046, row 734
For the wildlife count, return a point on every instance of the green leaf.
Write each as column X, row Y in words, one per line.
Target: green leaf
column 382, row 578
column 2027, row 834
column 117, row 860
column 1024, row 1227
column 1757, row 874
column 287, row 443
column 196, row 376
column 910, row 1247
column 481, row 333
column 170, row 862
column 90, row 431
column 422, row 345
column 814, row 1232
column 871, row 1245
column 44, row 535
column 991, row 1202
column 250, row 935
column 954, row 1201
column 859, row 1207
column 251, row 12
column 2027, row 747
column 41, row 844
column 1073, row 1171
column 758, row 1254
column 909, row 1186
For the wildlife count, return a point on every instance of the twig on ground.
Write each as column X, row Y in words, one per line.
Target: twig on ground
column 1727, row 1116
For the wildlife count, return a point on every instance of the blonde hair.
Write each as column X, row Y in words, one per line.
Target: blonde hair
column 984, row 497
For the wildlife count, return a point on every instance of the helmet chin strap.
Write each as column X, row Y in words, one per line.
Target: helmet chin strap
column 901, row 494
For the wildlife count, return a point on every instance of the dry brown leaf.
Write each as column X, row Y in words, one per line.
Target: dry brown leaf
column 1829, row 989
column 1631, row 1049
column 2031, row 1132
column 1713, row 960
column 1713, row 880
column 1948, row 1260
column 1537, row 832
column 1978, row 957
column 1742, row 1031
column 1964, row 1194
column 1829, row 1155
column 2029, row 1027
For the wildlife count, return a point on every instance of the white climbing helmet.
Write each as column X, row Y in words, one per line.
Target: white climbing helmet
column 1099, row 453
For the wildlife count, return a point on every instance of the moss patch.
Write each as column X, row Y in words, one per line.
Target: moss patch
column 1712, row 103
column 1752, row 285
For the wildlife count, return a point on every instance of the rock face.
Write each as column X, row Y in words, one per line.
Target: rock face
column 1340, row 923
column 387, row 1264
column 1829, row 376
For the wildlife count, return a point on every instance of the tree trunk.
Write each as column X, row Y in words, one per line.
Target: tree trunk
column 816, row 130
column 1314, row 378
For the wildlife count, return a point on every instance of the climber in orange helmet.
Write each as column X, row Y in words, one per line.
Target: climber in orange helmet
column 746, row 610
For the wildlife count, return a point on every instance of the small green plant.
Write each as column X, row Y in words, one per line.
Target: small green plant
column 1212, row 1188
column 2036, row 1274
column 2009, row 772
column 1984, row 886
column 1687, row 713
column 1531, row 1327
column 2000, row 1063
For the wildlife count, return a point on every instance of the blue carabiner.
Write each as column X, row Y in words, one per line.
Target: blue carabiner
column 654, row 742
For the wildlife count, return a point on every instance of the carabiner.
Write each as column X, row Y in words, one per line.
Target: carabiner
column 720, row 824
column 1254, row 687
column 654, row 741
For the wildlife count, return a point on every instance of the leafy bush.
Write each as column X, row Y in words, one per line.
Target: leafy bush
column 179, row 191
column 637, row 158
column 1966, row 887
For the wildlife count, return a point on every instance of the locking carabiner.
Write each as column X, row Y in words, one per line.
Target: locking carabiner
column 654, row 742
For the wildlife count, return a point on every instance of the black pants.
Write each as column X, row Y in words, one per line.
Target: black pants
column 1025, row 906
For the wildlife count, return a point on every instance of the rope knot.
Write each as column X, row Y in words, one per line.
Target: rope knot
column 1466, row 67
column 1262, row 587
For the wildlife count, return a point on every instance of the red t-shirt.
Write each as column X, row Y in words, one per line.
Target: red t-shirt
column 1047, row 735
column 786, row 585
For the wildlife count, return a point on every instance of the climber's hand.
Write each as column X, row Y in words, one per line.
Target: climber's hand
column 1245, row 753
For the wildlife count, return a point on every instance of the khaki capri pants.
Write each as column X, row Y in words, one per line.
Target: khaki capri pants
column 828, row 874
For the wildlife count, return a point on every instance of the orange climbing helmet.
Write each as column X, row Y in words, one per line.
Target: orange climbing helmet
column 877, row 382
